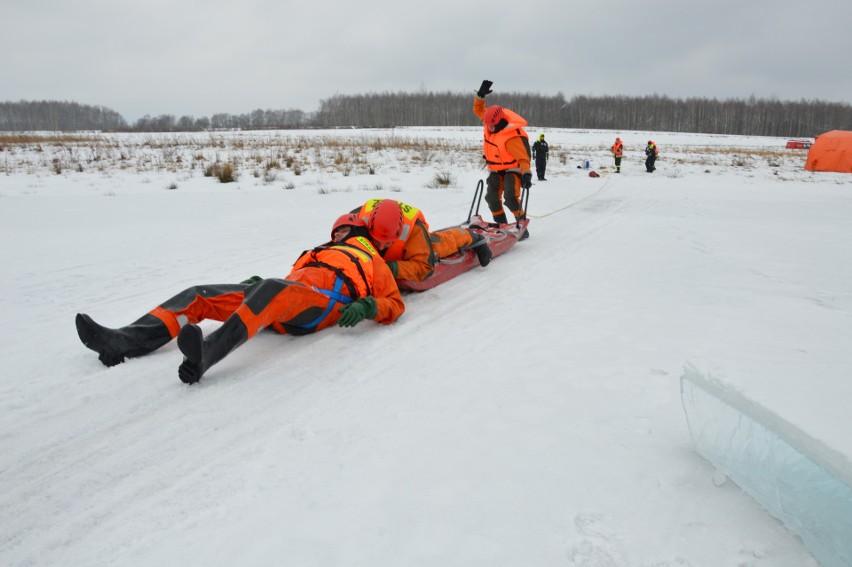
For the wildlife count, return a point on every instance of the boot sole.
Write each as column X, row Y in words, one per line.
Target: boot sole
column 94, row 337
column 190, row 342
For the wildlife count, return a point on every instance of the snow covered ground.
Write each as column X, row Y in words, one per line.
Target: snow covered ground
column 527, row 413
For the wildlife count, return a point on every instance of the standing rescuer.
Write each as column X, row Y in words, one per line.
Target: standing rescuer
column 651, row 153
column 506, row 148
column 539, row 154
column 617, row 153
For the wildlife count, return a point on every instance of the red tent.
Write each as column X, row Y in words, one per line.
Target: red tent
column 831, row 151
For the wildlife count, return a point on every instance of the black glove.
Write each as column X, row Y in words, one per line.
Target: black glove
column 526, row 180
column 357, row 311
column 484, row 89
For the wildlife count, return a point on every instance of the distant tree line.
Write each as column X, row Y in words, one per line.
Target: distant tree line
column 752, row 117
column 256, row 120
column 431, row 109
column 56, row 115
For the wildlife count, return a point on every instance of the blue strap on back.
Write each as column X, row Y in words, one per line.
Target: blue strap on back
column 334, row 296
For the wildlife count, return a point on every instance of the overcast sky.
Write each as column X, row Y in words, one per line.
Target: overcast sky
column 201, row 57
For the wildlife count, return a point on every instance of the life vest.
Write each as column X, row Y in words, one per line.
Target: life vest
column 351, row 260
column 618, row 149
column 410, row 216
column 497, row 157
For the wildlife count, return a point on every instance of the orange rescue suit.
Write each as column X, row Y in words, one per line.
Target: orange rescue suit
column 417, row 250
column 304, row 302
column 507, row 149
column 507, row 156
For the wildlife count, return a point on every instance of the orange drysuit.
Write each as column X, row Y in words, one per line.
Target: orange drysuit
column 347, row 275
column 414, row 254
column 507, row 156
column 617, row 152
column 306, row 301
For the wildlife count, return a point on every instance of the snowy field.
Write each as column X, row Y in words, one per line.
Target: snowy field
column 526, row 413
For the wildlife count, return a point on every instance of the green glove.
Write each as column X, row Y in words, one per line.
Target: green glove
column 394, row 267
column 252, row 280
column 357, row 311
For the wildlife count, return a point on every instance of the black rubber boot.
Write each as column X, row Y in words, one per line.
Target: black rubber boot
column 500, row 218
column 480, row 246
column 200, row 353
column 114, row 345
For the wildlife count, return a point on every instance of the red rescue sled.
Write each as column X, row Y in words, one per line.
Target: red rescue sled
column 500, row 238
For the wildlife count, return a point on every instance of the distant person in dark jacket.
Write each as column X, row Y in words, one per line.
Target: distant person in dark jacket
column 651, row 153
column 539, row 154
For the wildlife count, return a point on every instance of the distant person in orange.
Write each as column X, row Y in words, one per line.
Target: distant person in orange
column 617, row 153
column 506, row 147
column 344, row 281
column 651, row 153
column 409, row 249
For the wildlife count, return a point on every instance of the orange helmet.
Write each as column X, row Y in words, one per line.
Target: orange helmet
column 386, row 221
column 650, row 142
column 347, row 220
column 493, row 115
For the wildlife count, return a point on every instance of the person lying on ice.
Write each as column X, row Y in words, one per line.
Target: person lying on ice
column 344, row 281
column 410, row 250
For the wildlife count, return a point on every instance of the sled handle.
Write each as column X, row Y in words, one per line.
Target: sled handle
column 477, row 198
